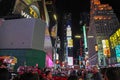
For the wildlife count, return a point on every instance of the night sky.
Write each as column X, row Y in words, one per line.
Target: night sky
column 75, row 7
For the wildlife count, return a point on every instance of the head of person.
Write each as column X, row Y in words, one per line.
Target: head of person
column 95, row 69
column 73, row 73
column 48, row 74
column 3, row 65
column 4, row 74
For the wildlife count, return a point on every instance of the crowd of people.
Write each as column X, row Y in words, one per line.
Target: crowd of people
column 35, row 73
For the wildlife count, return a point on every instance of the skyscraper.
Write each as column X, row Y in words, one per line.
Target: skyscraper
column 103, row 22
column 66, row 41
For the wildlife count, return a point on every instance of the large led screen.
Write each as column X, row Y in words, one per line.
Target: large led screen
column 117, row 49
column 115, row 39
column 29, row 8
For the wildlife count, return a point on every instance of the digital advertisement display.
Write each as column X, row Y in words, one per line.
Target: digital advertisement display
column 70, row 43
column 70, row 61
column 29, row 8
column 69, row 32
column 54, row 31
column 106, row 48
column 115, row 39
column 117, row 50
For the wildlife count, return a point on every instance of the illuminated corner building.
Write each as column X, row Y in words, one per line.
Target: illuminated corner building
column 34, row 21
column 103, row 22
column 37, row 9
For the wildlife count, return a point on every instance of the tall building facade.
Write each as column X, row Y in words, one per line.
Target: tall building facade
column 66, row 41
column 103, row 22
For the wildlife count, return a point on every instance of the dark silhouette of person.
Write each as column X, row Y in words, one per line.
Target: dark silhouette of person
column 4, row 74
column 72, row 77
column 29, row 76
column 48, row 75
column 96, row 73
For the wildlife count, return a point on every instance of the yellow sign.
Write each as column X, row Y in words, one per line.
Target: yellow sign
column 70, row 43
column 32, row 12
column 115, row 39
column 106, row 52
column 106, row 48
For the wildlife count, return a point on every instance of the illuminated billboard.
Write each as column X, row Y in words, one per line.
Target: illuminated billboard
column 115, row 39
column 106, row 48
column 54, row 31
column 29, row 8
column 70, row 61
column 70, row 43
column 117, row 50
column 69, row 32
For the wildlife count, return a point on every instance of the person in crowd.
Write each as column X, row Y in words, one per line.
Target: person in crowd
column 96, row 73
column 3, row 65
column 79, row 72
column 73, row 72
column 88, row 75
column 4, row 74
column 48, row 75
column 113, row 73
column 103, row 73
column 84, row 74
column 29, row 76
column 73, row 75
